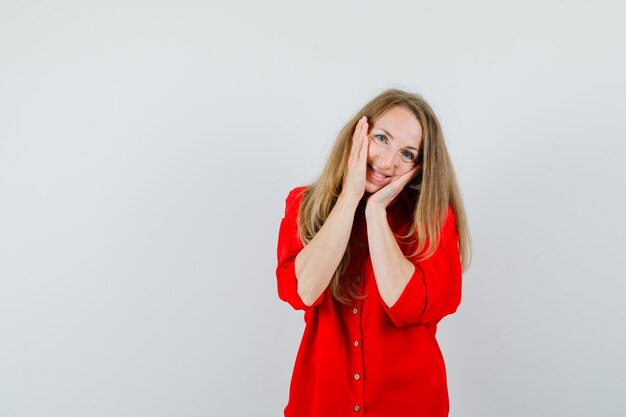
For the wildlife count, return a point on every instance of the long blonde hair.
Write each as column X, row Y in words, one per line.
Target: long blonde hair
column 437, row 183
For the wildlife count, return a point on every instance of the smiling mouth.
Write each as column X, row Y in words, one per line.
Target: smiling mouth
column 376, row 174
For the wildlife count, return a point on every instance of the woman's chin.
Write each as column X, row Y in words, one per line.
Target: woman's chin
column 371, row 188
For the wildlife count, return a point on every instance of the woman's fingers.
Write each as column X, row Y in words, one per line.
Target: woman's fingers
column 364, row 141
column 357, row 141
column 356, row 138
column 354, row 173
column 408, row 176
column 361, row 128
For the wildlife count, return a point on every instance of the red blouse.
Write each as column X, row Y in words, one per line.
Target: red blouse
column 370, row 359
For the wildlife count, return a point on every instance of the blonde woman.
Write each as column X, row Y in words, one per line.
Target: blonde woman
column 373, row 252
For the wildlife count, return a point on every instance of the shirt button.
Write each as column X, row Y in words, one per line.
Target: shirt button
column 355, row 310
column 356, row 343
column 357, row 376
column 361, row 245
column 358, row 278
column 357, row 408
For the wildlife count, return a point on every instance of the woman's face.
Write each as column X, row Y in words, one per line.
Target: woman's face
column 394, row 140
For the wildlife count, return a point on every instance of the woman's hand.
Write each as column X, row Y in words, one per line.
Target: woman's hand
column 381, row 198
column 354, row 174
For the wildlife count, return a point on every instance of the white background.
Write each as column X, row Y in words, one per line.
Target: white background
column 146, row 149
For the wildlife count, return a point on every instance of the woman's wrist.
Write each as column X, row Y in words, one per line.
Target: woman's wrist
column 373, row 211
column 348, row 199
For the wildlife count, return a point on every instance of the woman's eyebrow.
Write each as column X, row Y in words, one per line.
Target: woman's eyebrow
column 391, row 137
column 388, row 134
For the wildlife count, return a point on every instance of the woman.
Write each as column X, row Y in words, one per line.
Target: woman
column 373, row 252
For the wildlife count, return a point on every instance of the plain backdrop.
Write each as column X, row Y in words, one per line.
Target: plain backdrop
column 147, row 148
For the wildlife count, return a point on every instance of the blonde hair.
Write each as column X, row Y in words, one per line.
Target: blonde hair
column 436, row 179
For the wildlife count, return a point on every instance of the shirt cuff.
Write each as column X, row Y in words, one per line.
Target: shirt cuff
column 409, row 307
column 288, row 288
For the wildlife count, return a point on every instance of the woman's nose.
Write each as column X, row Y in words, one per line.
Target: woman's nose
column 385, row 160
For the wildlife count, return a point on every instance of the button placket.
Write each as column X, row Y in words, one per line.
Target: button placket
column 357, row 354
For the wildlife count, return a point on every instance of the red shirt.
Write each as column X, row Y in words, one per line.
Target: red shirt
column 369, row 359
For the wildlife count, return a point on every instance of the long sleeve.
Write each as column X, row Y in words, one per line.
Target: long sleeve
column 434, row 289
column 289, row 245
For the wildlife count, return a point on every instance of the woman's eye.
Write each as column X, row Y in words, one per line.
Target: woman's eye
column 380, row 138
column 409, row 155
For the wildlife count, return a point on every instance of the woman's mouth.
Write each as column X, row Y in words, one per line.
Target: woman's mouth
column 376, row 176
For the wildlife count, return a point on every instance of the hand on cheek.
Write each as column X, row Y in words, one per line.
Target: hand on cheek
column 384, row 196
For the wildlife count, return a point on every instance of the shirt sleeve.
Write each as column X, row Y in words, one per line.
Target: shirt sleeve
column 434, row 289
column 289, row 245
